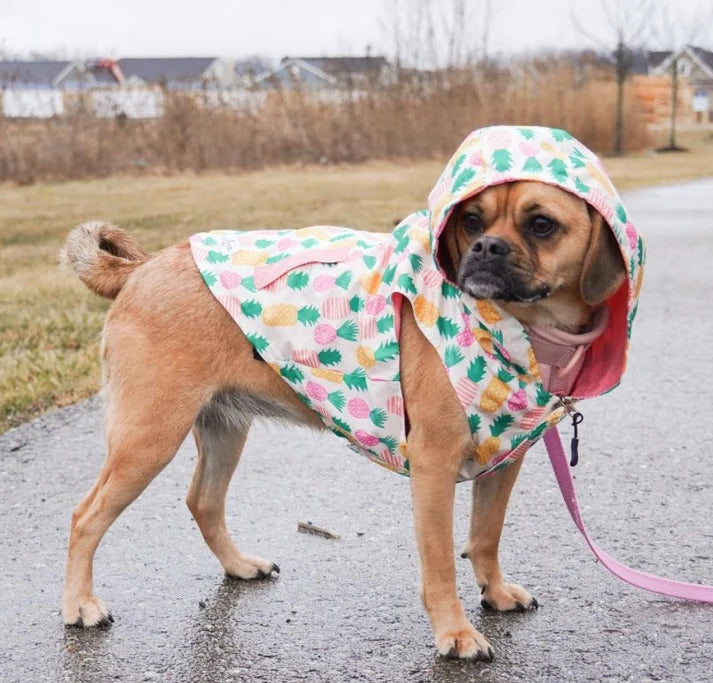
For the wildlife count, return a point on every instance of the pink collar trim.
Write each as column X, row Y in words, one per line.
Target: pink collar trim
column 561, row 354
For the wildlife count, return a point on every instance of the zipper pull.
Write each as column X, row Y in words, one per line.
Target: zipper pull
column 577, row 418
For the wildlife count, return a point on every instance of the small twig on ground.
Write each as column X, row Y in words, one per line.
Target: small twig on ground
column 309, row 528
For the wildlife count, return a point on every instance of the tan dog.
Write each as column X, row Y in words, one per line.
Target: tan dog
column 536, row 249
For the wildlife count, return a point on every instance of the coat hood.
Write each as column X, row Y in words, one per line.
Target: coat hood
column 503, row 154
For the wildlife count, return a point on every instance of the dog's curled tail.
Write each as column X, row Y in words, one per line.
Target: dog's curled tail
column 103, row 256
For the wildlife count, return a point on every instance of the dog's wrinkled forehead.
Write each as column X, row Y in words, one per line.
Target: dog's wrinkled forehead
column 521, row 200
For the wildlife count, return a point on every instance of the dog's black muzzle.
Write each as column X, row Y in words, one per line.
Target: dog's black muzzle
column 486, row 272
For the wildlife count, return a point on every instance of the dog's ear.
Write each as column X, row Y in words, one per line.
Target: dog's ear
column 604, row 269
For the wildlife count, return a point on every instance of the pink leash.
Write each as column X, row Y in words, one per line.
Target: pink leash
column 655, row 584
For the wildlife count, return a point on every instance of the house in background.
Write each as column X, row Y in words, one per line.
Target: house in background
column 144, row 82
column 695, row 65
column 295, row 73
column 652, row 85
column 355, row 73
column 131, row 100
column 134, row 88
column 240, row 91
column 335, row 74
column 247, row 71
column 31, row 89
column 46, row 88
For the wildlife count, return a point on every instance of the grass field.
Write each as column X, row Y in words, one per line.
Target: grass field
column 50, row 324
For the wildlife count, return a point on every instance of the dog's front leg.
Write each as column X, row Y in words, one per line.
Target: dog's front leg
column 437, row 442
column 433, row 489
column 490, row 499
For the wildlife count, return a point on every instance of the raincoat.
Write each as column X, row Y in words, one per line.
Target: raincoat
column 322, row 306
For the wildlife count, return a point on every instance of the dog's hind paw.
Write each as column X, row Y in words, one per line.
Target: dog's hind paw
column 464, row 643
column 88, row 612
column 507, row 597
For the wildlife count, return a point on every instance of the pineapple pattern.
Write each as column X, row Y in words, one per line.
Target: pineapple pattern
column 321, row 305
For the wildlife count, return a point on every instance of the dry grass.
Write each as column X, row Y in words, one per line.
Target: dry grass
column 649, row 168
column 50, row 324
column 415, row 118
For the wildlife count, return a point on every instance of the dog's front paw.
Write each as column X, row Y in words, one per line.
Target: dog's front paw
column 506, row 597
column 464, row 643
column 248, row 567
column 86, row 613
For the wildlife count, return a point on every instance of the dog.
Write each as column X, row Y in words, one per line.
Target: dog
column 546, row 258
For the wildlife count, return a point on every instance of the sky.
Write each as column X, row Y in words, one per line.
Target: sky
column 275, row 28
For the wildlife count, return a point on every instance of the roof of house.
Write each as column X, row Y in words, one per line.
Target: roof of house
column 165, row 69
column 101, row 73
column 294, row 70
column 656, row 58
column 706, row 56
column 252, row 66
column 35, row 73
column 340, row 66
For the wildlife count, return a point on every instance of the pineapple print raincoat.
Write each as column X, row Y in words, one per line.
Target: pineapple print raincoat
column 322, row 306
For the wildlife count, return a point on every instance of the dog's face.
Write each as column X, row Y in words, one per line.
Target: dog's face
column 531, row 244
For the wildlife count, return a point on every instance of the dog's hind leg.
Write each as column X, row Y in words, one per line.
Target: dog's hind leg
column 144, row 432
column 490, row 499
column 220, row 443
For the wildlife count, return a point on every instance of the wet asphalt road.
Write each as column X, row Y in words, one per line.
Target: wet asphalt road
column 347, row 609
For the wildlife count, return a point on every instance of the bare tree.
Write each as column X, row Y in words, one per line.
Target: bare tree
column 407, row 24
column 675, row 29
column 624, row 27
column 430, row 34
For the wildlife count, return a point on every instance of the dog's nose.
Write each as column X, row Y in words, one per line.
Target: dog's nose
column 487, row 248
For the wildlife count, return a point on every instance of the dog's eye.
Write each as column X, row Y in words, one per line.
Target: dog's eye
column 541, row 226
column 472, row 222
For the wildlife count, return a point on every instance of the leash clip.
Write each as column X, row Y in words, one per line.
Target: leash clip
column 577, row 419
